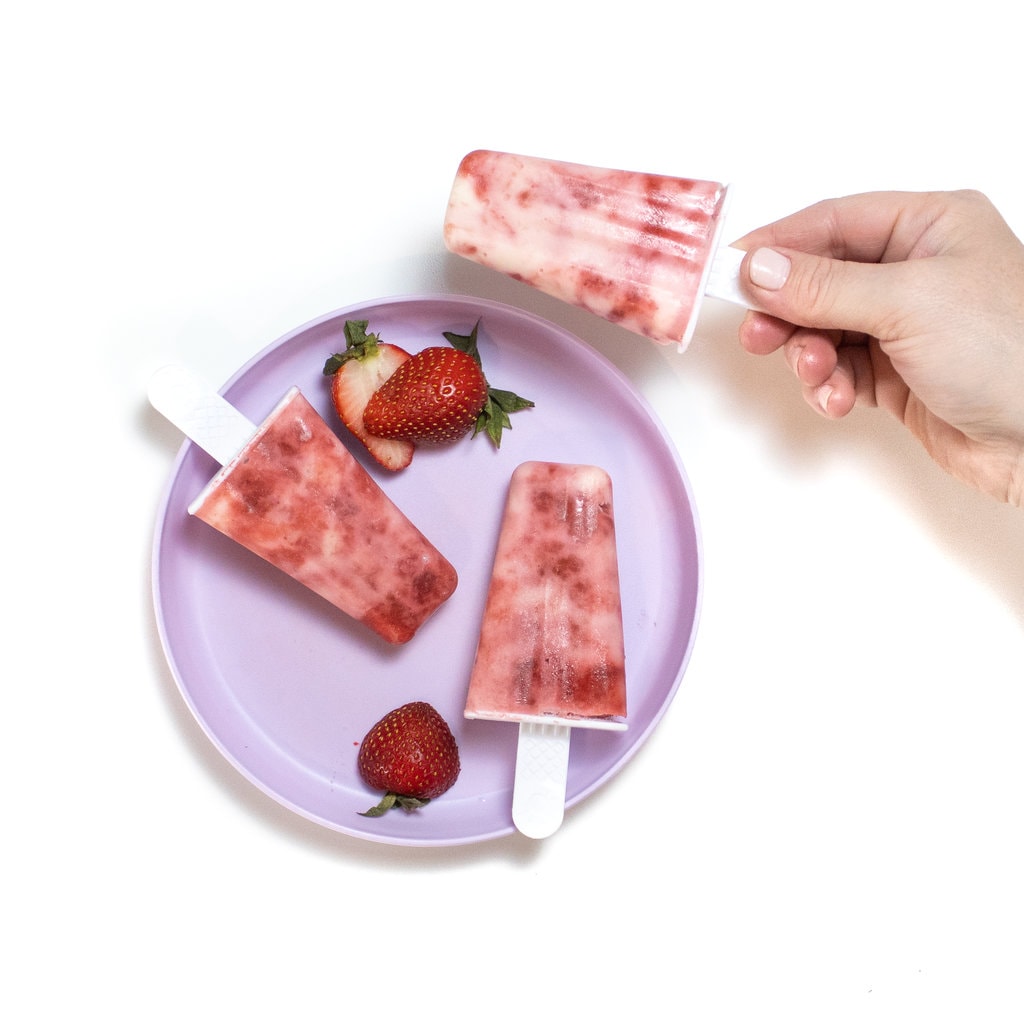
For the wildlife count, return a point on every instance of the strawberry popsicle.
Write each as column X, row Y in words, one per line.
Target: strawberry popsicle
column 639, row 250
column 551, row 654
column 551, row 644
column 292, row 493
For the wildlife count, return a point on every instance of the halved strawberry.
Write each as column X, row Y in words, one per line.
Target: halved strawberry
column 412, row 755
column 357, row 373
column 439, row 394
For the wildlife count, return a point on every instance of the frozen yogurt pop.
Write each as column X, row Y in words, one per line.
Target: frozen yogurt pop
column 292, row 493
column 639, row 250
column 551, row 654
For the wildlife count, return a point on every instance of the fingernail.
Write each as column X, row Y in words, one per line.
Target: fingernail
column 793, row 358
column 769, row 269
column 823, row 394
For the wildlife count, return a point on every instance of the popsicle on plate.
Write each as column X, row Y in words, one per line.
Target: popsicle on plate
column 636, row 249
column 551, row 654
column 292, row 493
column 551, row 644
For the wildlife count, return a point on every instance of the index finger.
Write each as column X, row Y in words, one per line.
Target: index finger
column 871, row 227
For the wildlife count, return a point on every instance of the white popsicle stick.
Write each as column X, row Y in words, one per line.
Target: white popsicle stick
column 542, row 769
column 723, row 280
column 201, row 414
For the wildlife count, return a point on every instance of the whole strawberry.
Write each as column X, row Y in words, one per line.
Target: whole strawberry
column 412, row 755
column 439, row 395
column 355, row 375
column 433, row 398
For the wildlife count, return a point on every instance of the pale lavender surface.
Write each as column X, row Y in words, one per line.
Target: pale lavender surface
column 285, row 686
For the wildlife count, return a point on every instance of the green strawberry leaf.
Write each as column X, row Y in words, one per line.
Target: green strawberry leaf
column 494, row 417
column 389, row 800
column 358, row 345
column 509, row 401
column 465, row 342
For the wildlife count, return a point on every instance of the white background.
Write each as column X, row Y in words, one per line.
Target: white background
column 826, row 826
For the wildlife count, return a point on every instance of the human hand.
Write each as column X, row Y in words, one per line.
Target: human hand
column 913, row 302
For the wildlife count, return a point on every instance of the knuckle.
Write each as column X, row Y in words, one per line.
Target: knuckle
column 815, row 287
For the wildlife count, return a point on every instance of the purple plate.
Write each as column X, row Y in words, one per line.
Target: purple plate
column 285, row 686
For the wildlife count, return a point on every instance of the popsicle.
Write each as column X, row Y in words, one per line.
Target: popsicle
column 551, row 653
column 639, row 250
column 292, row 493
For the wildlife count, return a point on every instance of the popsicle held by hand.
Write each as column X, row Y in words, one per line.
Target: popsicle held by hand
column 639, row 250
column 292, row 493
column 551, row 654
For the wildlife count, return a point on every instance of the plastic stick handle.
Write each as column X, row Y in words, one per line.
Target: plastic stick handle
column 723, row 280
column 201, row 414
column 542, row 768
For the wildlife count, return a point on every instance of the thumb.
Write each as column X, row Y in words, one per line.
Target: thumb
column 816, row 291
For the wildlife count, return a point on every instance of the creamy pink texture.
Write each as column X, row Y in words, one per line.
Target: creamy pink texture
column 631, row 247
column 298, row 498
column 551, row 641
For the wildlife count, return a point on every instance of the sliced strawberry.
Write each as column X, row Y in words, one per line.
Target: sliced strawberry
column 439, row 395
column 357, row 373
column 412, row 755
